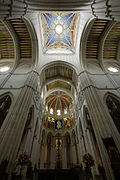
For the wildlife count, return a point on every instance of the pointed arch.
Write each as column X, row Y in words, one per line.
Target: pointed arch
column 113, row 105
column 5, row 103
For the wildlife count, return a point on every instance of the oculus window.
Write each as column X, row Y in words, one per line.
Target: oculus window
column 58, row 32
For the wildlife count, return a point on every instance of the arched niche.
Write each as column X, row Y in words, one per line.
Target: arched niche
column 113, row 105
column 5, row 103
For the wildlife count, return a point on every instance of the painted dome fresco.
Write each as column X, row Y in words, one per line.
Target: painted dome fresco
column 58, row 100
column 59, row 112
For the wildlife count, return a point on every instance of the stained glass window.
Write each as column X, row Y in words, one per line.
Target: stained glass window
column 65, row 111
column 58, row 124
column 58, row 112
column 58, row 32
column 51, row 111
column 46, row 108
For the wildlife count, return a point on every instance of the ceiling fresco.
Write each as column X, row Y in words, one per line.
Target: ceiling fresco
column 59, row 111
column 58, row 84
column 58, row 100
column 58, row 31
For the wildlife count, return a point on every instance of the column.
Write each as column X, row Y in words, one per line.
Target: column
column 11, row 133
column 99, row 120
column 92, row 150
column 28, row 143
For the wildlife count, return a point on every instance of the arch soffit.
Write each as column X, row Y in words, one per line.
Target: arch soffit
column 83, row 42
column 15, row 28
column 34, row 41
column 58, row 63
column 72, row 79
column 108, row 25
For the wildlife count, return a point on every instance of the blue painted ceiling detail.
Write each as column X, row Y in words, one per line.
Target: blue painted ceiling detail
column 58, row 31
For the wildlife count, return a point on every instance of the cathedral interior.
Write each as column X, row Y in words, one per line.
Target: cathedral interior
column 60, row 89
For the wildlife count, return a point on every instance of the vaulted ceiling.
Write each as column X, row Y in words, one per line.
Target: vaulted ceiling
column 111, row 45
column 23, row 36
column 59, row 72
column 6, row 43
column 58, row 100
column 94, row 37
column 111, row 41
column 20, row 31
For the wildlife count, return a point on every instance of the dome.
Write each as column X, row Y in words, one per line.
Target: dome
column 59, row 112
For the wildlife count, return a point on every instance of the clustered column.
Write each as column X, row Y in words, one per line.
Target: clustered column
column 98, row 116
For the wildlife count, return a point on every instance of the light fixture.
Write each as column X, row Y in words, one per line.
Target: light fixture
column 4, row 68
column 112, row 69
column 59, row 29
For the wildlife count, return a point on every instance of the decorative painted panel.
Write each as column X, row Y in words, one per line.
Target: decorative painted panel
column 58, row 32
